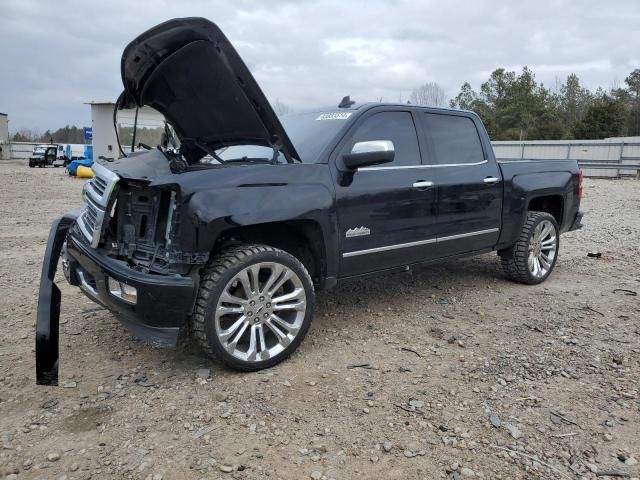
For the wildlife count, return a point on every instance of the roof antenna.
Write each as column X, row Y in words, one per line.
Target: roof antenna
column 346, row 102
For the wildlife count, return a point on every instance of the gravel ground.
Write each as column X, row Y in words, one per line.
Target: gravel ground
column 450, row 371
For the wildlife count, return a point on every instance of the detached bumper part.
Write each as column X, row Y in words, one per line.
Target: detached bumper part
column 152, row 307
column 48, row 316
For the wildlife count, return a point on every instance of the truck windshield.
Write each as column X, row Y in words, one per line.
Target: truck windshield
column 39, row 151
column 310, row 132
column 242, row 154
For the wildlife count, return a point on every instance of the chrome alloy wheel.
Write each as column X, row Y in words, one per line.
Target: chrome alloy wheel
column 543, row 247
column 260, row 311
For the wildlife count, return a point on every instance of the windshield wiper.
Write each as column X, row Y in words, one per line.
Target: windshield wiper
column 248, row 159
column 206, row 149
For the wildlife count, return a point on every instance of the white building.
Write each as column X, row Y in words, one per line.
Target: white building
column 5, row 154
column 105, row 142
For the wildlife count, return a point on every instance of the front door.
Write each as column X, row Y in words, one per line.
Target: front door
column 469, row 184
column 50, row 155
column 387, row 213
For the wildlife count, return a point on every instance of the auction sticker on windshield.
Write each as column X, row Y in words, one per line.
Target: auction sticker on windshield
column 334, row 116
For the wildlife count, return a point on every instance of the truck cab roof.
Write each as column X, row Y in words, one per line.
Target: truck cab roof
column 357, row 109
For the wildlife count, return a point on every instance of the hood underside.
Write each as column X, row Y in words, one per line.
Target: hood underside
column 188, row 70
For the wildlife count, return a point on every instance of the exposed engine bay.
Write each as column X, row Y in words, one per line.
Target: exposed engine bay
column 134, row 222
column 142, row 230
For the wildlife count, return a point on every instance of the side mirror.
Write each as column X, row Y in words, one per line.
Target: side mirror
column 366, row 154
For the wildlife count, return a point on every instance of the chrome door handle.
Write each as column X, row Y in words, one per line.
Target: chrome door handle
column 422, row 184
column 491, row 180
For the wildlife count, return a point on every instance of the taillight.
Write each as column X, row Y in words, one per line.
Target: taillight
column 580, row 175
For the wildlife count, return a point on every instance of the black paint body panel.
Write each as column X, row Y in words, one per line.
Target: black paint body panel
column 526, row 180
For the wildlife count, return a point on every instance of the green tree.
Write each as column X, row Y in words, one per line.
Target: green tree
column 519, row 108
column 549, row 124
column 604, row 118
column 495, row 97
column 633, row 84
column 21, row 136
column 519, row 117
column 66, row 134
column 516, row 107
column 466, row 99
column 574, row 101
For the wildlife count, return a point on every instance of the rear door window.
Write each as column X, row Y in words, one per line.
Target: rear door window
column 395, row 126
column 453, row 138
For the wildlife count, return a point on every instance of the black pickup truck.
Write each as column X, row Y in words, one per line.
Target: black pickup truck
column 231, row 226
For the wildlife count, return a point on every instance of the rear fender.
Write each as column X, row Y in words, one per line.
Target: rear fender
column 522, row 190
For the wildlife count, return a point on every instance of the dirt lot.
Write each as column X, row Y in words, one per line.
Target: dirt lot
column 450, row 371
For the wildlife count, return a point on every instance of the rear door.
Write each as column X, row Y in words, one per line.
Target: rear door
column 387, row 213
column 469, row 194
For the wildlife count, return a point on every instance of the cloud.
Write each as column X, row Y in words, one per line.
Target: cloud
column 57, row 55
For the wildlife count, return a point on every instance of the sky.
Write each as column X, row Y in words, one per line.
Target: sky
column 57, row 55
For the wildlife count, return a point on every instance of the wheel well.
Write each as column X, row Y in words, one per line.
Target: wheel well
column 301, row 238
column 552, row 204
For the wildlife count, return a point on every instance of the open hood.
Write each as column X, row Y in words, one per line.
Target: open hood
column 188, row 70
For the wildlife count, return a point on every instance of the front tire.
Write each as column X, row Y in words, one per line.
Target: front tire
column 532, row 258
column 254, row 306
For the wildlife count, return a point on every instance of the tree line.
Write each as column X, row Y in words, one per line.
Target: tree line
column 516, row 107
column 66, row 134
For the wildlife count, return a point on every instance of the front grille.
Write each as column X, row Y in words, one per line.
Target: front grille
column 98, row 184
column 97, row 193
column 89, row 221
column 90, row 217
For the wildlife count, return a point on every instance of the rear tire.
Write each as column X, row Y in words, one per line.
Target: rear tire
column 254, row 306
column 532, row 258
